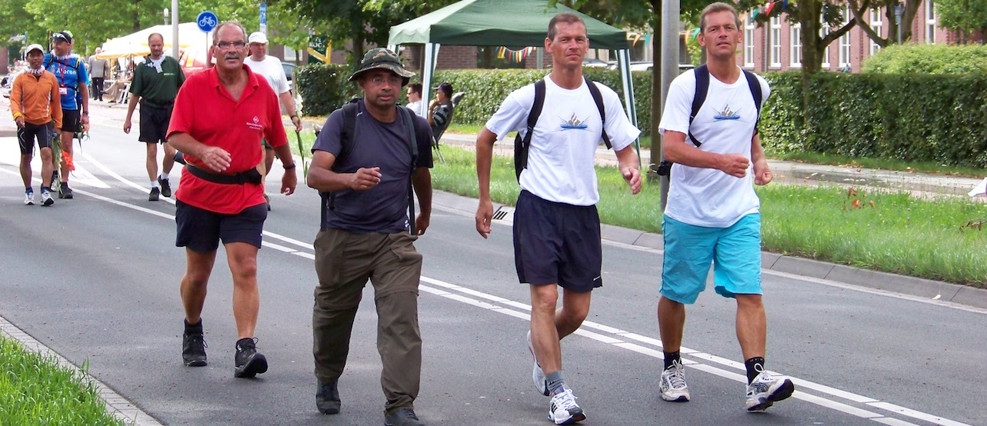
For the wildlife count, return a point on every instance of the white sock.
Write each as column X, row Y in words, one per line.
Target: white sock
column 154, row 184
column 163, row 176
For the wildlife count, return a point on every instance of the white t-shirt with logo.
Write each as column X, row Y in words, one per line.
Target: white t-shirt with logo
column 562, row 154
column 724, row 124
column 272, row 70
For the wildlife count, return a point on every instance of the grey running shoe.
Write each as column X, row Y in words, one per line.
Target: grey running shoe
column 46, row 199
column 537, row 375
column 766, row 389
column 65, row 192
column 28, row 198
column 564, row 410
column 249, row 362
column 194, row 350
column 153, row 196
column 673, row 387
column 402, row 417
column 165, row 187
column 327, row 398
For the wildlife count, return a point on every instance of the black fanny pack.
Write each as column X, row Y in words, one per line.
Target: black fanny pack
column 250, row 176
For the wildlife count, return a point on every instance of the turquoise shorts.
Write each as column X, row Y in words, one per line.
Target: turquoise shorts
column 735, row 253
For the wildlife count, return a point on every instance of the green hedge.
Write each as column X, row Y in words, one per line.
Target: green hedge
column 928, row 59
column 323, row 87
column 912, row 117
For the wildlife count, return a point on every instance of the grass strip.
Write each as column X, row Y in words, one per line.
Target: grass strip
column 35, row 389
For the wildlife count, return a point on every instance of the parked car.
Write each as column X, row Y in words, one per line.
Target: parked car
column 289, row 71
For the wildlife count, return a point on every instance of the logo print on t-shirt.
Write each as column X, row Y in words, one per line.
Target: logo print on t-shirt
column 255, row 125
column 726, row 114
column 574, row 123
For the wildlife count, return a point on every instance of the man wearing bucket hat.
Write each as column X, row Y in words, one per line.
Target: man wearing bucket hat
column 73, row 79
column 365, row 162
column 35, row 103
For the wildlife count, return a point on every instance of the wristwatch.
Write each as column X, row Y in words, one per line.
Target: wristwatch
column 290, row 166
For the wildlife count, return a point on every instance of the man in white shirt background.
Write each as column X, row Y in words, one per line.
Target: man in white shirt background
column 270, row 67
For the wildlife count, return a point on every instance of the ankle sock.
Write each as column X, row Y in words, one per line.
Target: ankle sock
column 555, row 382
column 193, row 328
column 754, row 366
column 671, row 357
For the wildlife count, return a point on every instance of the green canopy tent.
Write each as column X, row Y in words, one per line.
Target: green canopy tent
column 504, row 22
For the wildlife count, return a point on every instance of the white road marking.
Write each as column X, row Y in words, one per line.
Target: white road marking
column 827, row 397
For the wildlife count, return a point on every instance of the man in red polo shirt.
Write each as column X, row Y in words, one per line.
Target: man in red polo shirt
column 220, row 116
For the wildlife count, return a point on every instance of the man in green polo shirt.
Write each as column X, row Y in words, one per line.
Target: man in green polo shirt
column 155, row 86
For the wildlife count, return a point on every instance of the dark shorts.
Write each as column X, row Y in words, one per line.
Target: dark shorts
column 154, row 123
column 70, row 121
column 201, row 230
column 557, row 243
column 31, row 132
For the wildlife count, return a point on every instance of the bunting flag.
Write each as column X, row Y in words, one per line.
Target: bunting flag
column 695, row 33
column 769, row 8
column 784, row 5
column 514, row 55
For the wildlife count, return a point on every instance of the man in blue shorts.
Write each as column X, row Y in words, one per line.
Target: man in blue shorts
column 556, row 225
column 713, row 213
column 73, row 79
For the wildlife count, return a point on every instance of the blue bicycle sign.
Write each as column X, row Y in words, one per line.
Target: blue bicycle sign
column 206, row 21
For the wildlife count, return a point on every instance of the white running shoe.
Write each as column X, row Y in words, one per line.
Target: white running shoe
column 563, row 410
column 766, row 389
column 537, row 375
column 29, row 198
column 673, row 387
column 46, row 199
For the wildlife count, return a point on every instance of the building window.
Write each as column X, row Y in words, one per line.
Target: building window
column 289, row 54
column 930, row 22
column 795, row 37
column 877, row 23
column 823, row 32
column 775, row 58
column 844, row 52
column 749, row 43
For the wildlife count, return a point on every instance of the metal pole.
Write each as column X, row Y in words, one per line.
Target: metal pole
column 669, row 70
column 174, row 29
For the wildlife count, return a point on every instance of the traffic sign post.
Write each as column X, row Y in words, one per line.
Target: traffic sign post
column 206, row 21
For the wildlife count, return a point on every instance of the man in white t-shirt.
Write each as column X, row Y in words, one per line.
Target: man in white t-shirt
column 557, row 238
column 415, row 98
column 713, row 213
column 270, row 67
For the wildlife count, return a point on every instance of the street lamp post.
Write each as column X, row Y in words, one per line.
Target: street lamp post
column 898, row 11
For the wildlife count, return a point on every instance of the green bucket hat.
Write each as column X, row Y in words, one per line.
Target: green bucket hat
column 381, row 58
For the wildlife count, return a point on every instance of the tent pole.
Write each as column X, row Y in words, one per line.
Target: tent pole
column 431, row 52
column 624, row 61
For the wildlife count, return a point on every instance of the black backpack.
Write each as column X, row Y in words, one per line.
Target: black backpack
column 521, row 145
column 702, row 87
column 349, row 137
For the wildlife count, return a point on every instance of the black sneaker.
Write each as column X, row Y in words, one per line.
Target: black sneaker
column 402, row 417
column 165, row 187
column 249, row 362
column 153, row 196
column 65, row 192
column 327, row 398
column 194, row 349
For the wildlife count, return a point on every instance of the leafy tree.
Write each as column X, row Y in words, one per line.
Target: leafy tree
column 910, row 9
column 361, row 22
column 964, row 16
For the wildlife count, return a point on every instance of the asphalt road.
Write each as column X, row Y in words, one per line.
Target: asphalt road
column 96, row 280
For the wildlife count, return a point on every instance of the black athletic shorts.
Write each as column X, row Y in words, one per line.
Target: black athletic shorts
column 557, row 243
column 27, row 135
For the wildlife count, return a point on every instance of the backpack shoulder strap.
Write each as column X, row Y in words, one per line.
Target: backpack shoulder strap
column 521, row 144
column 755, row 87
column 406, row 116
column 702, row 86
column 598, row 98
column 346, row 139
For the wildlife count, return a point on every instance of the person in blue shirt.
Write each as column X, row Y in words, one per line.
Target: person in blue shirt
column 73, row 79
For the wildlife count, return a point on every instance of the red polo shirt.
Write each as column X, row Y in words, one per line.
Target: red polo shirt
column 207, row 112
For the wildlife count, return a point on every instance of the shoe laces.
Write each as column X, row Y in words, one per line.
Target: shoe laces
column 197, row 338
column 565, row 400
column 676, row 377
